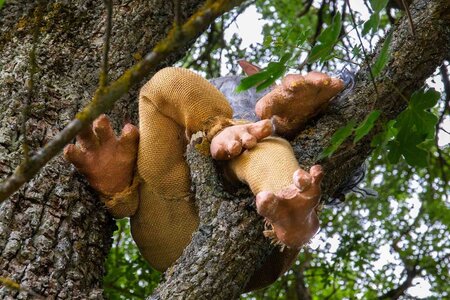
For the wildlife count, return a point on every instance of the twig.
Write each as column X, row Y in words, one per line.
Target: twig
column 410, row 20
column 11, row 284
column 306, row 8
column 363, row 49
column 103, row 80
column 444, row 130
column 317, row 32
column 104, row 98
column 177, row 12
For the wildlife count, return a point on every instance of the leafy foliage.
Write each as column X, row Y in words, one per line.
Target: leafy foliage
column 383, row 58
column 128, row 275
column 373, row 23
column 343, row 133
column 266, row 77
column 415, row 126
column 326, row 40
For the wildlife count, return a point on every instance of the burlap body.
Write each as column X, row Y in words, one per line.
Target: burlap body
column 174, row 104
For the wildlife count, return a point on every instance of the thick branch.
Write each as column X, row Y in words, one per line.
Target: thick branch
column 223, row 252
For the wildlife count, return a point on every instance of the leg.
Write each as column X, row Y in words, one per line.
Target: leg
column 174, row 104
column 286, row 196
column 297, row 99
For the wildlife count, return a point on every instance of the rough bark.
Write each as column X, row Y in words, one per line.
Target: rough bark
column 55, row 233
column 216, row 267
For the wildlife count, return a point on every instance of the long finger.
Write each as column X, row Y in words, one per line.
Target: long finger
column 86, row 139
column 302, row 180
column 260, row 129
column 248, row 141
column 129, row 138
column 74, row 155
column 317, row 174
column 103, row 130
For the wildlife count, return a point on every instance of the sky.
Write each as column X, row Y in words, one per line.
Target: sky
column 249, row 27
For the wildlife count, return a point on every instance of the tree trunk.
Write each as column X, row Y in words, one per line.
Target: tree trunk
column 55, row 233
column 227, row 248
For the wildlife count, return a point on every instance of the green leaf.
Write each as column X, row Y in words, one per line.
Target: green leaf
column 378, row 5
column 326, row 40
column 371, row 24
column 2, row 2
column 394, row 152
column 414, row 156
column 338, row 138
column 425, row 100
column 366, row 126
column 265, row 77
column 271, row 80
column 382, row 58
column 252, row 80
column 425, row 122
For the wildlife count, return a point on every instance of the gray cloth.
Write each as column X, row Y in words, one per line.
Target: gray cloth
column 243, row 103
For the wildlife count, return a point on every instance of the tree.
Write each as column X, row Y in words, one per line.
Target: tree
column 54, row 233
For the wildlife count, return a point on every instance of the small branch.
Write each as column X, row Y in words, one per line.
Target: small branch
column 104, row 98
column 444, row 130
column 317, row 32
column 372, row 78
column 11, row 284
column 410, row 20
column 306, row 8
column 177, row 13
column 411, row 273
column 106, row 43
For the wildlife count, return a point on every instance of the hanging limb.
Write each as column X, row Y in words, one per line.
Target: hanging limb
column 408, row 14
column 104, row 98
column 372, row 78
column 103, row 80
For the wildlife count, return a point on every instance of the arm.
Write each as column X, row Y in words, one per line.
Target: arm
column 108, row 163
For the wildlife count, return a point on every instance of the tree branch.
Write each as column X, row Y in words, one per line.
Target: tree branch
column 104, row 98
column 106, row 43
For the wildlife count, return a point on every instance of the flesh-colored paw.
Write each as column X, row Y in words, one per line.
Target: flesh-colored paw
column 107, row 161
column 292, row 212
column 298, row 99
column 231, row 141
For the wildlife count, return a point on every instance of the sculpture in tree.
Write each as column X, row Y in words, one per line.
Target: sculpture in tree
column 173, row 105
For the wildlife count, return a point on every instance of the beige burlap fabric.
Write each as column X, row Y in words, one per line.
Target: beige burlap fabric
column 267, row 167
column 125, row 203
column 174, row 104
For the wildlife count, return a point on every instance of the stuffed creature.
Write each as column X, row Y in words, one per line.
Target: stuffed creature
column 143, row 173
